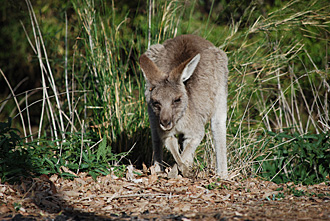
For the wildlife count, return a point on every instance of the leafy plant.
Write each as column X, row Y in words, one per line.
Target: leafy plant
column 15, row 161
column 42, row 156
column 79, row 153
column 296, row 158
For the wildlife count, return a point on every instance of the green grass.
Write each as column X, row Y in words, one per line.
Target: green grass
column 91, row 107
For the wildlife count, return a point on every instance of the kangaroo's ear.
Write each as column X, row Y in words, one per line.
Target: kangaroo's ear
column 150, row 70
column 184, row 71
column 190, row 68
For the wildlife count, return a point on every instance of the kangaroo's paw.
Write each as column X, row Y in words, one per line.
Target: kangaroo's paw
column 174, row 172
column 157, row 168
column 223, row 174
column 187, row 171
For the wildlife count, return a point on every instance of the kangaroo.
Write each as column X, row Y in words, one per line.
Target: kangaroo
column 186, row 85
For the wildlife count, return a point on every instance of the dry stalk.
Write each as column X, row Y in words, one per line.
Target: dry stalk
column 17, row 104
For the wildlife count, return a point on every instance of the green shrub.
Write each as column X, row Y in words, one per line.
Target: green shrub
column 296, row 158
column 78, row 153
column 15, row 161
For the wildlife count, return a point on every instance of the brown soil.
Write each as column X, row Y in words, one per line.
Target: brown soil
column 144, row 197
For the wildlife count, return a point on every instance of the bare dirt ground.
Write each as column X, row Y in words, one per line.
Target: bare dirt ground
column 141, row 196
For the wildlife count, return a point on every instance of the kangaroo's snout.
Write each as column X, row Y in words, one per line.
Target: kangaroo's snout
column 165, row 119
column 166, row 124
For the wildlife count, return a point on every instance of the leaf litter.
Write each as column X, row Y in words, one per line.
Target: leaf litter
column 145, row 195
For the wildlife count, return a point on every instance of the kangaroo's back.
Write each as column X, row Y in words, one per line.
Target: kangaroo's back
column 177, row 50
column 184, row 47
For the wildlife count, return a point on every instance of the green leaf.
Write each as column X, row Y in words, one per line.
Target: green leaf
column 102, row 149
column 93, row 174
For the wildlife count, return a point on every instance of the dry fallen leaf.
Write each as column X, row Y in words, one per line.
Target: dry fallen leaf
column 269, row 193
column 129, row 173
column 152, row 178
column 67, row 170
column 71, row 193
column 144, row 168
column 4, row 209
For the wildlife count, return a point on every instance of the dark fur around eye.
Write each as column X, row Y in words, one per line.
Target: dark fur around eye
column 177, row 100
column 156, row 104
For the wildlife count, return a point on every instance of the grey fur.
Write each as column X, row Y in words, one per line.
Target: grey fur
column 186, row 85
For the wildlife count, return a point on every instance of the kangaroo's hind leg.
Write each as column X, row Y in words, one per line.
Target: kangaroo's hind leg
column 218, row 127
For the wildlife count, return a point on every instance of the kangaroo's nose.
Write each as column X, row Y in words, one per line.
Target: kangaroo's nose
column 166, row 124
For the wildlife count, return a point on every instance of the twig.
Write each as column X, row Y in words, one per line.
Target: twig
column 149, row 23
column 82, row 145
column 282, row 168
column 125, row 154
column 18, row 107
column 51, row 96
column 96, row 144
column 66, row 64
column 9, row 96
column 117, row 196
column 28, row 115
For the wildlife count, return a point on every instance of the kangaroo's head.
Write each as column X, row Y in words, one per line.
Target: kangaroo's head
column 166, row 92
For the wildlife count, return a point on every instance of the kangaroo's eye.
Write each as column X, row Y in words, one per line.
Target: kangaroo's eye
column 156, row 104
column 177, row 101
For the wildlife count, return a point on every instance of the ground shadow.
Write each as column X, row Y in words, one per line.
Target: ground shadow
column 40, row 193
column 139, row 148
column 138, row 145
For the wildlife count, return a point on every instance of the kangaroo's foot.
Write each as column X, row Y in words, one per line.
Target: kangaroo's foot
column 173, row 172
column 187, row 171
